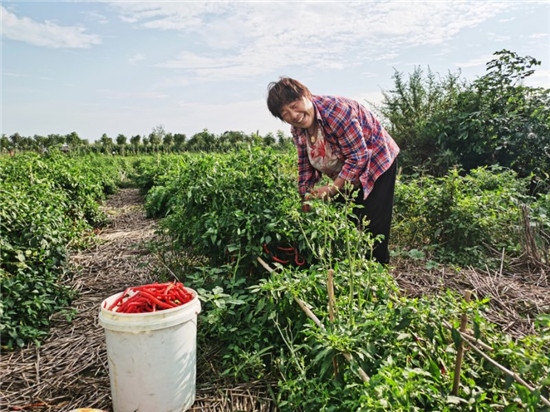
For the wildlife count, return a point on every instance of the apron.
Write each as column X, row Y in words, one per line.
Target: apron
column 321, row 156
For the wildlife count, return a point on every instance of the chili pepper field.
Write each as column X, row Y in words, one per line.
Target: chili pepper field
column 293, row 315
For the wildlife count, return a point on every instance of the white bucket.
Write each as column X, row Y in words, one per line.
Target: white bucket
column 152, row 357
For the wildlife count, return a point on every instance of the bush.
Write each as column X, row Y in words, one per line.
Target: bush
column 461, row 219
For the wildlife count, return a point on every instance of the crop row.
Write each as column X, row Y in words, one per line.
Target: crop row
column 47, row 205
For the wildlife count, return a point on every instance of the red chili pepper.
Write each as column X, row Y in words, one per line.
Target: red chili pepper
column 184, row 296
column 276, row 259
column 286, row 249
column 299, row 261
column 164, row 305
column 152, row 297
column 116, row 302
column 123, row 305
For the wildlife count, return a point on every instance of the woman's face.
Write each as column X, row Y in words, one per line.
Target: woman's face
column 299, row 113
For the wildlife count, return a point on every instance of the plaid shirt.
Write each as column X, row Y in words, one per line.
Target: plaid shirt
column 354, row 135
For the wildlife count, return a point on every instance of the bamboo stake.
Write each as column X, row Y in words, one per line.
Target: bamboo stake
column 316, row 320
column 460, row 350
column 331, row 298
column 471, row 339
column 331, row 305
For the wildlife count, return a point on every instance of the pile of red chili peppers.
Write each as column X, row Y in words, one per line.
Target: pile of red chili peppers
column 151, row 298
column 290, row 255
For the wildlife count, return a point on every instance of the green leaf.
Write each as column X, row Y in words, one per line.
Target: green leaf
column 457, row 339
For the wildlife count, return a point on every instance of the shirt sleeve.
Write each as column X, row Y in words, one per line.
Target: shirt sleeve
column 346, row 126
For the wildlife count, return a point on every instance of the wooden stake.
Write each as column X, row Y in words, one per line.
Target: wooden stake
column 460, row 350
column 331, row 299
column 469, row 338
column 331, row 305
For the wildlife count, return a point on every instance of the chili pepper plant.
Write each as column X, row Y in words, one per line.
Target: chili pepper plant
column 226, row 208
column 48, row 205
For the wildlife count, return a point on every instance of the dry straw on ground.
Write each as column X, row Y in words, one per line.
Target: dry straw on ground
column 516, row 296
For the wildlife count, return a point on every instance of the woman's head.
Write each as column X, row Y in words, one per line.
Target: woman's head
column 284, row 92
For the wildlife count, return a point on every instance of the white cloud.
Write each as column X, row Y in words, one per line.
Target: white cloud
column 252, row 38
column 476, row 62
column 136, row 58
column 96, row 17
column 46, row 34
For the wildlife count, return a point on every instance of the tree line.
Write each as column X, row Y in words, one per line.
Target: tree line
column 157, row 141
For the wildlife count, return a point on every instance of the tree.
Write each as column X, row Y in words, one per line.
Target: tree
column 105, row 143
column 269, row 139
column 15, row 140
column 105, row 140
column 179, row 140
column 134, row 140
column 414, row 109
column 54, row 140
column 121, row 140
column 495, row 120
column 157, row 136
column 73, row 139
column 203, row 141
column 168, row 140
column 4, row 143
column 500, row 121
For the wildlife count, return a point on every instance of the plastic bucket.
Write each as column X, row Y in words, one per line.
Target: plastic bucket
column 152, row 357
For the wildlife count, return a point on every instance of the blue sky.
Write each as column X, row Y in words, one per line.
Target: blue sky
column 126, row 67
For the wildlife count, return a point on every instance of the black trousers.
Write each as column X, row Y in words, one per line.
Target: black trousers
column 377, row 208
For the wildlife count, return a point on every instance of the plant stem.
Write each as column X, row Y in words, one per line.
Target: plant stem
column 460, row 350
column 331, row 305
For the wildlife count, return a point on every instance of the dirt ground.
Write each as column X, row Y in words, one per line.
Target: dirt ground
column 69, row 370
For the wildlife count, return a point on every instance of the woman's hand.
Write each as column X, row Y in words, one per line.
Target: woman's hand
column 321, row 192
column 327, row 191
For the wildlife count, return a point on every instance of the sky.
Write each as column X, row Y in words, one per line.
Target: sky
column 128, row 67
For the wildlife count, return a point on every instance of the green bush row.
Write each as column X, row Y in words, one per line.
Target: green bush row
column 47, row 203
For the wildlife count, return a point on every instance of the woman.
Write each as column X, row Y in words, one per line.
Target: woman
column 340, row 138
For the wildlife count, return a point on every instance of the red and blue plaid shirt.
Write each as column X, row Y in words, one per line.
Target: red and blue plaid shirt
column 354, row 135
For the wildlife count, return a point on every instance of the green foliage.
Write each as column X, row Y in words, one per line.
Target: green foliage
column 495, row 120
column 462, row 219
column 225, row 207
column 416, row 109
column 46, row 204
column 158, row 141
column 502, row 120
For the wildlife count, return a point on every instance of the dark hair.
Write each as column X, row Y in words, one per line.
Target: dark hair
column 283, row 92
